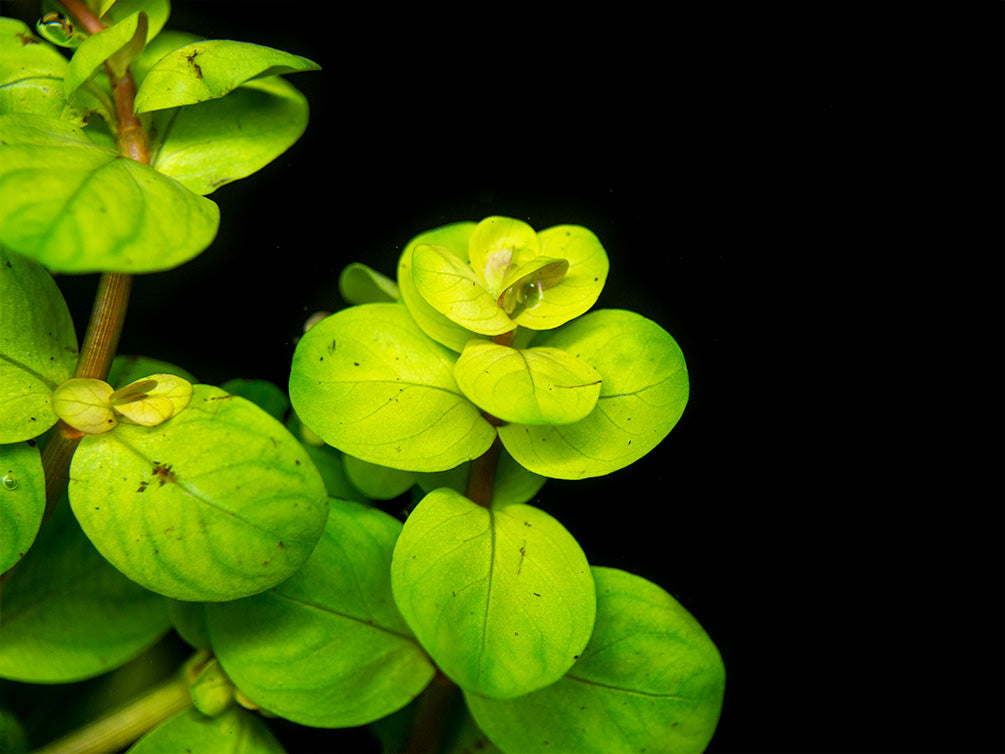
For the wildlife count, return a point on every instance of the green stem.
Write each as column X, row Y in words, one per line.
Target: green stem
column 121, row 727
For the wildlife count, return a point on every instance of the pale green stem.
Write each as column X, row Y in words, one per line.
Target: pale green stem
column 121, row 727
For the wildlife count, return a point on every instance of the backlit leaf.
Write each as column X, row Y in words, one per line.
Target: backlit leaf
column 360, row 284
column 128, row 35
column 85, row 404
column 642, row 396
column 22, row 500
column 210, row 69
column 208, row 145
column 455, row 238
column 528, row 386
column 328, row 647
column 38, row 347
column 31, row 72
column 152, row 400
column 69, row 615
column 451, row 287
column 77, row 207
column 219, row 502
column 650, row 680
column 502, row 598
column 370, row 383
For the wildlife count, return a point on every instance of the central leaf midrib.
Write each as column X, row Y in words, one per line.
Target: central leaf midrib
column 357, row 619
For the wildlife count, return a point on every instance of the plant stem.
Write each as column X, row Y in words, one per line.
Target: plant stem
column 107, row 317
column 431, row 716
column 121, row 727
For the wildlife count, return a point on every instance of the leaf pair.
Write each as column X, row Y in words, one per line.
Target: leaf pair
column 93, row 406
column 596, row 395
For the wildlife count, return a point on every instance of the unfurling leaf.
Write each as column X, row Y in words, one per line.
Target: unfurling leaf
column 152, row 400
column 85, row 404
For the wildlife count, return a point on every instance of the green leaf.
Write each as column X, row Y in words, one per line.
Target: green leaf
column 360, row 284
column 236, row 731
column 581, row 285
column 529, row 386
column 210, row 69
column 31, row 72
column 642, row 396
column 157, row 12
column 370, row 383
column 77, row 207
column 650, row 680
column 127, row 36
column 22, row 500
column 499, row 245
column 208, row 145
column 85, row 404
column 375, row 481
column 455, row 238
column 262, row 393
column 189, row 620
column 501, row 598
column 38, row 347
column 328, row 647
column 450, row 286
column 68, row 615
column 219, row 502
column 13, row 738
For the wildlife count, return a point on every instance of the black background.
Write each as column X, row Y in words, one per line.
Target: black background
column 808, row 196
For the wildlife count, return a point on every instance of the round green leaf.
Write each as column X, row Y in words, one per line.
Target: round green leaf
column 513, row 483
column 370, row 383
column 529, row 386
column 642, row 396
column 328, row 647
column 499, row 245
column 455, row 238
column 264, row 394
column 502, row 598
column 157, row 12
column 85, row 404
column 581, row 285
column 208, row 145
column 126, row 369
column 189, row 620
column 210, row 69
column 22, row 500
column 236, row 731
column 38, row 347
column 449, row 285
column 219, row 502
column 650, row 680
column 68, row 615
column 78, row 207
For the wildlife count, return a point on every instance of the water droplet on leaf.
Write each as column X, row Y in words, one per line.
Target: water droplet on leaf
column 9, row 482
column 56, row 28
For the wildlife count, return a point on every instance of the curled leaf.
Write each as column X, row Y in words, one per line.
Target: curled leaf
column 85, row 404
column 152, row 400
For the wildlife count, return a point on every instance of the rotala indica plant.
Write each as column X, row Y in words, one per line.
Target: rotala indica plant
column 136, row 501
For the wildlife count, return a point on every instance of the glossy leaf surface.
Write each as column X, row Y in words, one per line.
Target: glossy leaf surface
column 236, row 731
column 210, row 69
column 642, row 396
column 370, row 383
column 528, row 386
column 38, row 347
column 501, row 598
column 77, row 207
column 650, row 680
column 208, row 145
column 22, row 500
column 219, row 502
column 438, row 327
column 157, row 12
column 69, row 615
column 328, row 647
